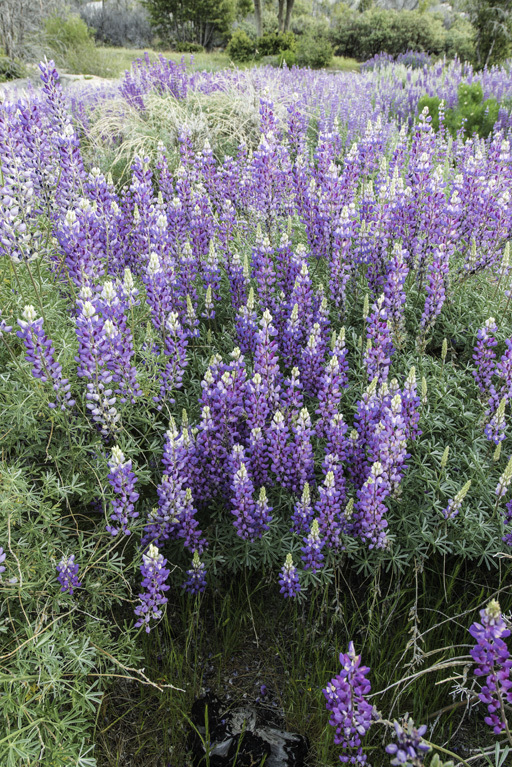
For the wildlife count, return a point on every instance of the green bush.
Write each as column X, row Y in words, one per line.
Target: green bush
column 314, row 51
column 241, row 48
column 274, row 43
column 184, row 46
column 363, row 35
column 287, row 57
column 460, row 41
column 70, row 43
column 10, row 69
column 477, row 115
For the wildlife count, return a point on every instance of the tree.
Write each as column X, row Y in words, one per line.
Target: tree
column 21, row 19
column 492, row 20
column 191, row 20
column 257, row 13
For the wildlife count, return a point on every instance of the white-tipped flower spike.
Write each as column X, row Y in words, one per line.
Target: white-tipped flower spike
column 349, row 509
column 88, row 310
column 109, row 329
column 154, row 264
column 306, row 495
column 424, row 391
column 117, row 456
column 454, row 504
column 444, row 457
column 505, row 261
column 246, row 270
column 497, row 453
column 366, row 307
column 29, row 313
column 444, row 350
column 505, row 479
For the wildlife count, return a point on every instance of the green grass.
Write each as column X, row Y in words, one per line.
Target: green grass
column 109, row 62
column 342, row 64
column 246, row 635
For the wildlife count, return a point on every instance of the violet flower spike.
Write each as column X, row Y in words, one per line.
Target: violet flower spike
column 67, row 571
column 152, row 599
column 289, row 579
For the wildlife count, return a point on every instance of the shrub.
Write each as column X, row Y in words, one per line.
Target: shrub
column 130, row 27
column 314, row 52
column 477, row 116
column 287, row 57
column 273, row 43
column 70, row 42
column 10, row 69
column 183, row 46
column 460, row 40
column 241, row 48
column 364, row 35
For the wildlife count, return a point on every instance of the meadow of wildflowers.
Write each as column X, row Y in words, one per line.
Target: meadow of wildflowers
column 286, row 361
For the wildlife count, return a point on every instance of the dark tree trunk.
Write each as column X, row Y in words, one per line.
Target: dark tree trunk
column 287, row 18
column 280, row 15
column 257, row 13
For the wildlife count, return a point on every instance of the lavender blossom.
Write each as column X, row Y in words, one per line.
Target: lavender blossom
column 2, row 560
column 68, row 574
column 41, row 354
column 154, row 576
column 493, row 662
column 196, row 581
column 122, row 480
column 484, row 356
column 410, row 748
column 351, row 714
column 312, row 550
column 289, row 578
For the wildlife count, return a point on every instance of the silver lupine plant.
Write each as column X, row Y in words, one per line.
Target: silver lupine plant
column 284, row 346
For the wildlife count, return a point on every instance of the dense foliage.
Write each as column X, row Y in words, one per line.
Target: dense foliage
column 286, row 356
column 471, row 114
column 363, row 35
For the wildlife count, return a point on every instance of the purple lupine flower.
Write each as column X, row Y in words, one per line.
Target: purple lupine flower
column 394, row 292
column 68, row 574
column 410, row 748
column 312, row 550
column 117, row 336
column 311, row 361
column 301, row 450
column 292, row 392
column 495, row 428
column 340, row 351
column 122, row 480
column 289, row 578
column 259, row 460
column 266, row 359
column 484, row 357
column 4, row 327
column 246, row 324
column 243, row 505
column 196, row 581
column 262, row 515
column 41, row 353
column 380, row 347
column 279, row 450
column 256, row 402
column 154, row 576
column 493, row 662
column 351, row 714
column 303, row 511
column 370, row 510
column 329, row 395
column 337, row 448
column 436, row 289
column 2, row 560
column 175, row 349
column 328, row 511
